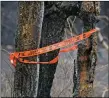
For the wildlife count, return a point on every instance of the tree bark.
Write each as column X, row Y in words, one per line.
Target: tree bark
column 52, row 32
column 87, row 53
column 30, row 19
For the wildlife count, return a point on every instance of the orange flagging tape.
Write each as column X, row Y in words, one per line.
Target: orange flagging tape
column 21, row 55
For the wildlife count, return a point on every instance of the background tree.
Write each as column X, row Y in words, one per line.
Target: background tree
column 30, row 19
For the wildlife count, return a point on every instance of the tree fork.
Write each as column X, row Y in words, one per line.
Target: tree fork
column 30, row 19
column 87, row 53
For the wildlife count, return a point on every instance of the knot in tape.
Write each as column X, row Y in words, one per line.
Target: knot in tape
column 20, row 55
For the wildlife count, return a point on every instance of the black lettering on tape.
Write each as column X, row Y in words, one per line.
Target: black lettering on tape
column 77, row 39
column 84, row 35
column 50, row 47
column 56, row 45
column 22, row 54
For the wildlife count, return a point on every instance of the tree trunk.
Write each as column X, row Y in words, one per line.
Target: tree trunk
column 87, row 53
column 52, row 32
column 30, row 19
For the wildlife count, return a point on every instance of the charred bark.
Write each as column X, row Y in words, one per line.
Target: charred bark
column 52, row 32
column 30, row 19
column 87, row 53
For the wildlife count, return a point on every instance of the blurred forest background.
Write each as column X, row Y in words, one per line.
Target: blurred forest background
column 63, row 83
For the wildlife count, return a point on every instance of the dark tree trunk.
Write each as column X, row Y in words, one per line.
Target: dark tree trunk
column 52, row 32
column 30, row 19
column 87, row 53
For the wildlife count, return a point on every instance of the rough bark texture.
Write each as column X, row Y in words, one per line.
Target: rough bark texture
column 30, row 19
column 87, row 53
column 52, row 32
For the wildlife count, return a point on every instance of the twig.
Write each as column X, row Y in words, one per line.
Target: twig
column 102, row 67
column 102, row 41
column 103, row 95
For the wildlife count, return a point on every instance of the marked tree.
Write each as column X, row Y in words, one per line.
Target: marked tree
column 30, row 17
column 87, row 53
